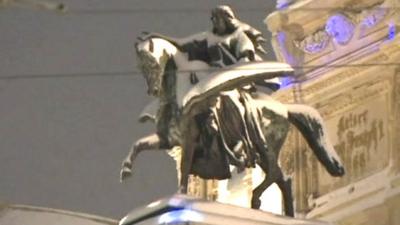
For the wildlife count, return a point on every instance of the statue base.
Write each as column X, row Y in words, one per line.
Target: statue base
column 181, row 209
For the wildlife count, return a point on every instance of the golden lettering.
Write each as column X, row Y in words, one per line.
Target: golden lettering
column 351, row 121
column 354, row 131
column 364, row 139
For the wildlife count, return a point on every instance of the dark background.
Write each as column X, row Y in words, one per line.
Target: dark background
column 69, row 100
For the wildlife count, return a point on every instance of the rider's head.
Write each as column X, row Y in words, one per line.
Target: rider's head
column 223, row 20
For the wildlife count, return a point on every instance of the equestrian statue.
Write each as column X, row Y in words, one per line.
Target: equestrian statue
column 213, row 100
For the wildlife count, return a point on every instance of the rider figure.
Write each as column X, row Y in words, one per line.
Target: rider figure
column 228, row 42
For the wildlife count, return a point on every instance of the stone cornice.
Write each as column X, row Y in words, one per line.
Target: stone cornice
column 334, row 31
column 321, row 9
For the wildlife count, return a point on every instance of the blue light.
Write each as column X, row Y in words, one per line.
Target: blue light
column 285, row 81
column 289, row 58
column 283, row 4
column 340, row 28
column 392, row 31
column 281, row 38
column 183, row 215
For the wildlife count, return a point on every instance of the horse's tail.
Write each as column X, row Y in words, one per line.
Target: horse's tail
column 310, row 124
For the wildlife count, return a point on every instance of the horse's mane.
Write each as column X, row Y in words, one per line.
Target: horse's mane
column 163, row 46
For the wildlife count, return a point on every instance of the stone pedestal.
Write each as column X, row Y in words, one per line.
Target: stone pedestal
column 181, row 209
column 347, row 59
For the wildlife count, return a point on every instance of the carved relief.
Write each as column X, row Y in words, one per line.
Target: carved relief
column 340, row 28
column 314, row 43
column 370, row 18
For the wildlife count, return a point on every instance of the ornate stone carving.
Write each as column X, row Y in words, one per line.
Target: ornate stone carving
column 340, row 28
column 370, row 18
column 314, row 43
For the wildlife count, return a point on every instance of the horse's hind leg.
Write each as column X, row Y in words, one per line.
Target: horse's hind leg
column 274, row 175
column 149, row 142
column 285, row 184
column 257, row 192
column 267, row 165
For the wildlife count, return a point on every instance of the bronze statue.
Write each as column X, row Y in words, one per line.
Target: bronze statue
column 209, row 105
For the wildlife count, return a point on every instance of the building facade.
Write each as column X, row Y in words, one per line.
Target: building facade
column 347, row 56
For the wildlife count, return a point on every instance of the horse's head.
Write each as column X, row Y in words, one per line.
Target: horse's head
column 152, row 59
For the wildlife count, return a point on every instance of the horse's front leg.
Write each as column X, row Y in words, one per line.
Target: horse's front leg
column 149, row 142
column 189, row 137
column 186, row 166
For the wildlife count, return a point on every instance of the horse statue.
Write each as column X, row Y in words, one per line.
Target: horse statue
column 218, row 123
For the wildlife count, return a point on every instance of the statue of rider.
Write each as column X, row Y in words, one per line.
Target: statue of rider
column 229, row 42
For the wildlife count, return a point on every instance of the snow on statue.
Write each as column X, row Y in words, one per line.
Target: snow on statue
column 209, row 105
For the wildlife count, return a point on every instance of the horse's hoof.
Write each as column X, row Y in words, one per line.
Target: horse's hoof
column 337, row 169
column 255, row 203
column 124, row 174
column 182, row 191
column 127, row 164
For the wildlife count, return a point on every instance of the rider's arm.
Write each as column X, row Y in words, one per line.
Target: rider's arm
column 244, row 49
column 179, row 42
column 194, row 37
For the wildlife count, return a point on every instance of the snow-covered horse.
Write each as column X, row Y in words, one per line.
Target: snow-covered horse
column 170, row 75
